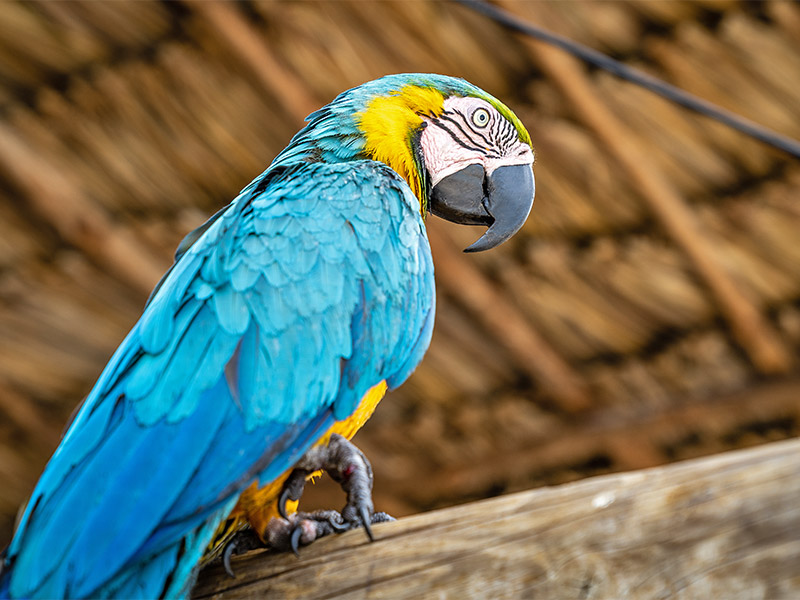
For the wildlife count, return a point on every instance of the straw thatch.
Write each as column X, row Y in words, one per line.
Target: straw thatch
column 649, row 311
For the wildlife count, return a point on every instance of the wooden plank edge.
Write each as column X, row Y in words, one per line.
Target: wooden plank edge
column 723, row 526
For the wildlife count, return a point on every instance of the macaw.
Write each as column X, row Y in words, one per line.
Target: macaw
column 281, row 324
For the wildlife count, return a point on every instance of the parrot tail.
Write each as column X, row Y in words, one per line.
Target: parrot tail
column 169, row 573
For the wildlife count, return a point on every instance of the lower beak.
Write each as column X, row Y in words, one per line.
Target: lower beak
column 501, row 200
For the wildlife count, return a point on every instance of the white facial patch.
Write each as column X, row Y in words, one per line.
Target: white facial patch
column 470, row 131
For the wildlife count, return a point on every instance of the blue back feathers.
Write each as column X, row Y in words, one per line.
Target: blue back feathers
column 313, row 285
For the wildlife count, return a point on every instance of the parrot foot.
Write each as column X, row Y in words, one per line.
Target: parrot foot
column 303, row 528
column 298, row 529
column 346, row 465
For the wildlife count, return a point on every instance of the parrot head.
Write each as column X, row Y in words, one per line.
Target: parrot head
column 465, row 155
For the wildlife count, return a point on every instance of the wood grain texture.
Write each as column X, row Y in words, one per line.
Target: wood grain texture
column 721, row 527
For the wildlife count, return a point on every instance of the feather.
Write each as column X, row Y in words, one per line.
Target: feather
column 279, row 314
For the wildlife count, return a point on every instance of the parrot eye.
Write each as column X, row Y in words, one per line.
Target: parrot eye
column 480, row 118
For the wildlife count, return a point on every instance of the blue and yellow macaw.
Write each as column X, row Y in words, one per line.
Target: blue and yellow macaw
column 282, row 322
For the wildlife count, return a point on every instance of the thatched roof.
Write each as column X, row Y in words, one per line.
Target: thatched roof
column 649, row 310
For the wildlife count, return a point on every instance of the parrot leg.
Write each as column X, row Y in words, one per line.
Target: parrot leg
column 348, row 466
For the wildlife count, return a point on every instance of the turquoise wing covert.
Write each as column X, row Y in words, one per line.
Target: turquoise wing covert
column 315, row 284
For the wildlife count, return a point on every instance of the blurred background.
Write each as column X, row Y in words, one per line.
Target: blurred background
column 648, row 312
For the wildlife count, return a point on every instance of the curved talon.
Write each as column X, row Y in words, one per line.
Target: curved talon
column 282, row 500
column 336, row 526
column 226, row 559
column 363, row 514
column 294, row 541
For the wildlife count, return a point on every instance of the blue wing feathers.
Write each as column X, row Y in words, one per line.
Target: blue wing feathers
column 277, row 317
column 107, row 541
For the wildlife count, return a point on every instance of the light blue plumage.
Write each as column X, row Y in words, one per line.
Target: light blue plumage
column 311, row 287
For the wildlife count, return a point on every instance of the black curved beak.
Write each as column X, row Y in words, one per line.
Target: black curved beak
column 502, row 201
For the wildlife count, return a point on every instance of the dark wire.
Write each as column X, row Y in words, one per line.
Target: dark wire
column 620, row 69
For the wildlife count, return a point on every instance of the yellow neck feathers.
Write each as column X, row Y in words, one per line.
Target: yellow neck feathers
column 389, row 123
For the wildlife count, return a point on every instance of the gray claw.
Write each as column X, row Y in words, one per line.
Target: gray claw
column 363, row 514
column 294, row 541
column 242, row 541
column 336, row 526
column 292, row 489
column 226, row 559
column 282, row 500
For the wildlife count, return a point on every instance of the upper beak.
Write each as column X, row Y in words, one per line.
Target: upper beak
column 502, row 201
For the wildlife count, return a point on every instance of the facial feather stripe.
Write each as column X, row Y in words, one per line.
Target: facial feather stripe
column 471, row 131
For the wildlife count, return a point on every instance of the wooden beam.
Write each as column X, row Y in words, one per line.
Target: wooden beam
column 721, row 527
